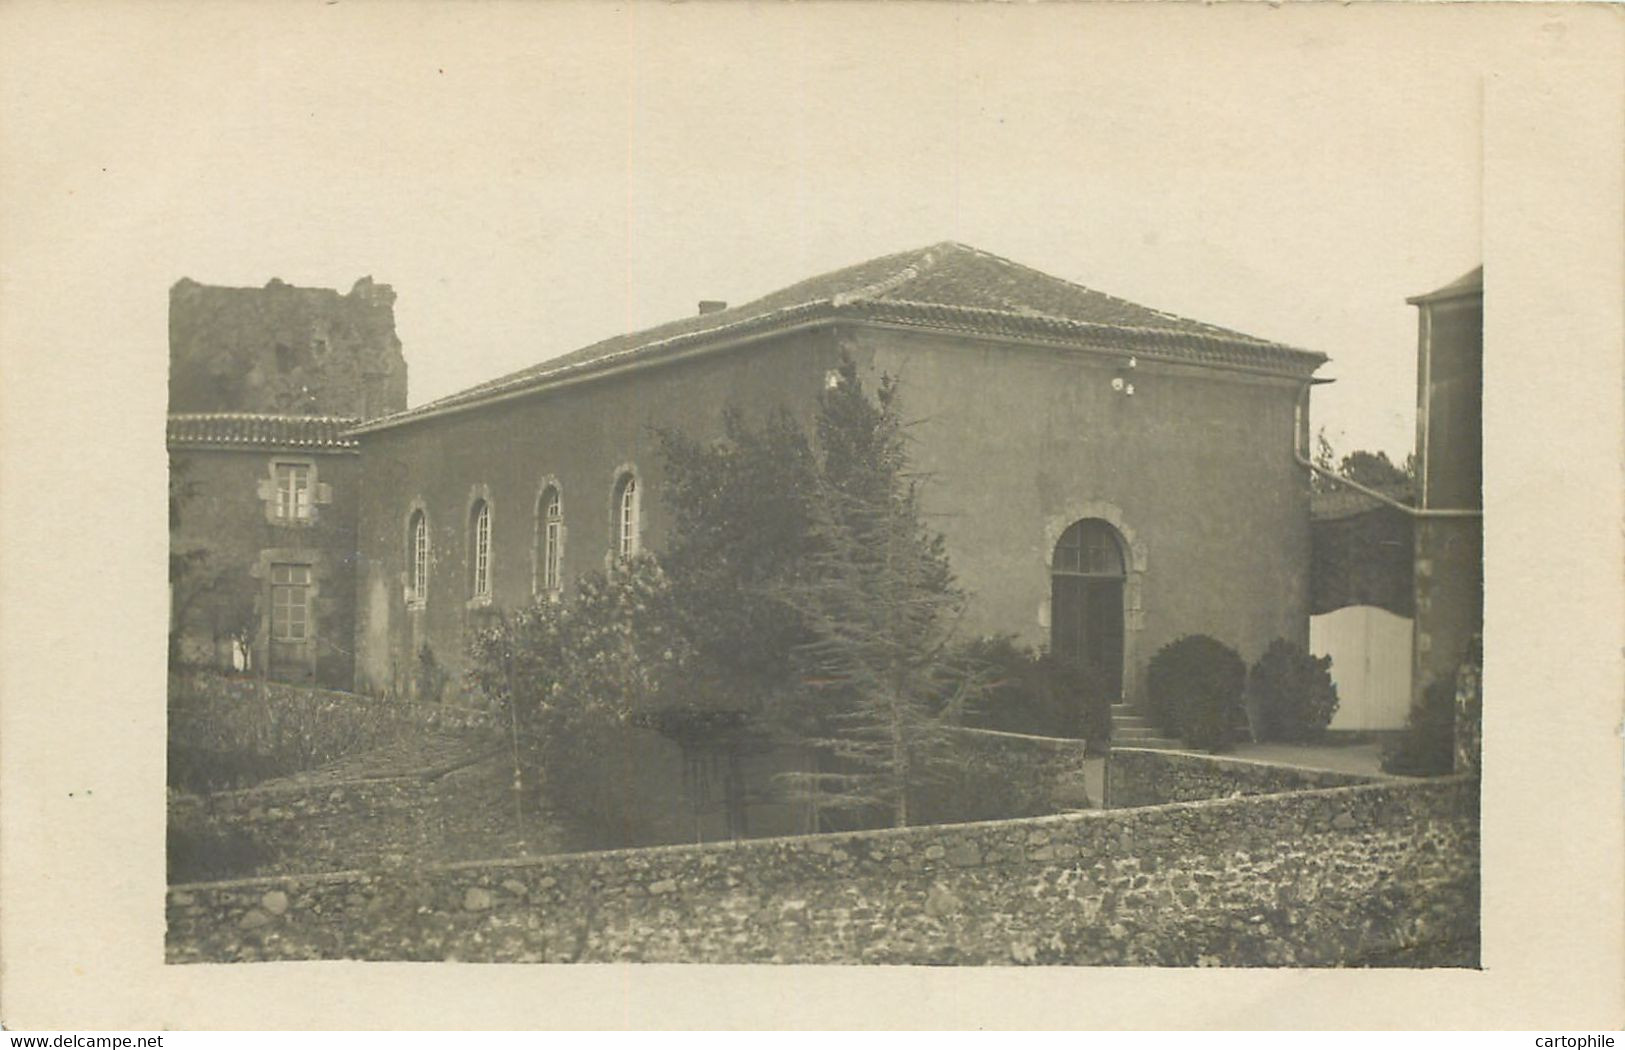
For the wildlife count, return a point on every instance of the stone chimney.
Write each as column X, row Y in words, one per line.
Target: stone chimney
column 711, row 306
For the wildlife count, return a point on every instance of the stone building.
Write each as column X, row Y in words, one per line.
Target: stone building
column 265, row 484
column 1449, row 474
column 1109, row 477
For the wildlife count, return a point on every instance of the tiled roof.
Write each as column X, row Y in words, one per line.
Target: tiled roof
column 1345, row 502
column 1469, row 283
column 254, row 430
column 945, row 286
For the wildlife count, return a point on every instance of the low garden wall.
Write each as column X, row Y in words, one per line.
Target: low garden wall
column 1136, row 777
column 232, row 731
column 995, row 776
column 1376, row 874
column 1004, row 775
column 317, row 826
column 320, row 822
column 208, row 689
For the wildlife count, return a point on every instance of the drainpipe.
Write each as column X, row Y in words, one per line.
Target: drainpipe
column 1300, row 435
column 1415, row 512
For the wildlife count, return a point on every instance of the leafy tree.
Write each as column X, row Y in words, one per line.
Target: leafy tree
column 1375, row 470
column 881, row 606
column 205, row 590
column 1371, row 469
column 571, row 677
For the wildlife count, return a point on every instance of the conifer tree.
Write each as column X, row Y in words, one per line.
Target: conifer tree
column 879, row 601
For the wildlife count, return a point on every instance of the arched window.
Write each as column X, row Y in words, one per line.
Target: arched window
column 480, row 550
column 550, row 537
column 1089, row 548
column 625, row 538
column 417, row 558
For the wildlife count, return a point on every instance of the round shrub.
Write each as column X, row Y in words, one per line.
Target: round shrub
column 1037, row 693
column 1194, row 688
column 1018, row 694
column 1291, row 693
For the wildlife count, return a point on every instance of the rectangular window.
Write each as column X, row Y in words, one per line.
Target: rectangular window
column 290, row 603
column 293, row 492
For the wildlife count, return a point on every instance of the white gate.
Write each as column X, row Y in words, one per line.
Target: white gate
column 1371, row 664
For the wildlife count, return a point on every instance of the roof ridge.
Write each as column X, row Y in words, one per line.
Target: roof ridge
column 1222, row 335
column 924, row 260
column 878, row 288
column 1181, row 318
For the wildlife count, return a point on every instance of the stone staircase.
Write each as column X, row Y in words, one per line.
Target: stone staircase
column 1133, row 730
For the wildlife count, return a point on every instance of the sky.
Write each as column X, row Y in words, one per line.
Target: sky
column 530, row 179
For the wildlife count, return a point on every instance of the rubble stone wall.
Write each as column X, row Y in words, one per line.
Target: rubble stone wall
column 1374, row 874
column 1151, row 778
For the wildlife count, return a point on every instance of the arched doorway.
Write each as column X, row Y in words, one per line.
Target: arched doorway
column 1087, row 576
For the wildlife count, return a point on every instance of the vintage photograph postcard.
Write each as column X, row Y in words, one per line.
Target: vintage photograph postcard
column 864, row 504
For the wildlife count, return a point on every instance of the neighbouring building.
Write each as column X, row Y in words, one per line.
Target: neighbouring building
column 1398, row 575
column 1449, row 472
column 1109, row 477
column 265, row 481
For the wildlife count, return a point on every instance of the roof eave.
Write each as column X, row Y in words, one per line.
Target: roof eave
column 1468, row 286
column 205, row 445
column 634, row 359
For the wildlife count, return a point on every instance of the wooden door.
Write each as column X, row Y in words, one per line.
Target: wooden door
column 1086, row 626
column 291, row 627
column 1086, row 601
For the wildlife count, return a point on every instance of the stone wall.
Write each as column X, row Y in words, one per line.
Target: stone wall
column 243, row 698
column 290, row 827
column 337, row 818
column 1151, row 778
column 460, row 810
column 1376, row 874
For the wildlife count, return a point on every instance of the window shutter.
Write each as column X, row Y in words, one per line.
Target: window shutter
column 324, row 492
column 266, row 489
